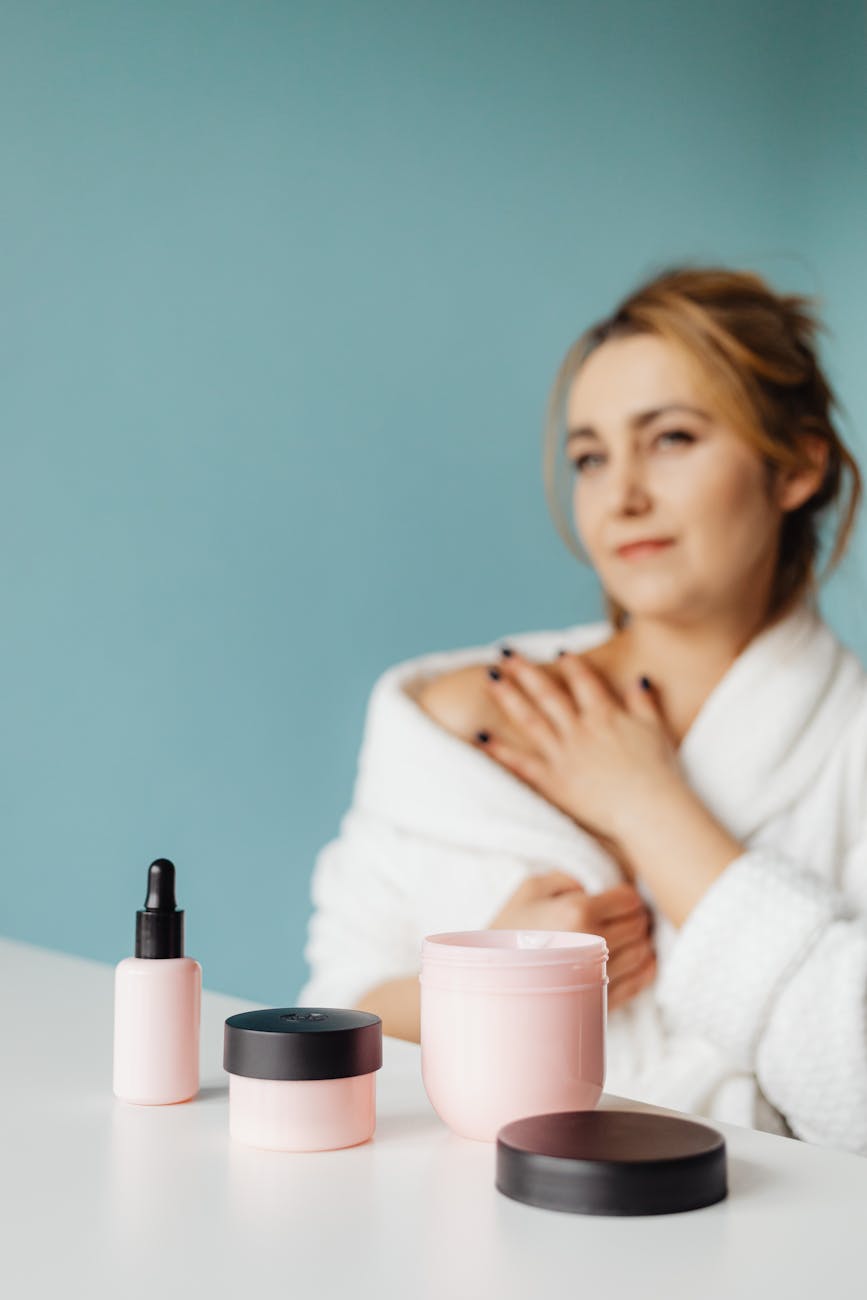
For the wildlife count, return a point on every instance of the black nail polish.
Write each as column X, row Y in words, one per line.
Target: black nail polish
column 482, row 737
column 507, row 651
column 645, row 683
column 494, row 674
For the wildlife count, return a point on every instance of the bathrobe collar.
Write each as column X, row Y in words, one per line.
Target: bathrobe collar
column 759, row 740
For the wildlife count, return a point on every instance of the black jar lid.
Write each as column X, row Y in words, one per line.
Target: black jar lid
column 302, row 1043
column 611, row 1162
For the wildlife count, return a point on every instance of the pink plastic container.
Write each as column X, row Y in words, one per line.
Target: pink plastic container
column 512, row 1024
column 302, row 1078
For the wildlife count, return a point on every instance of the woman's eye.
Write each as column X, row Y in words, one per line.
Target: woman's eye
column 579, row 463
column 584, row 462
column 678, row 433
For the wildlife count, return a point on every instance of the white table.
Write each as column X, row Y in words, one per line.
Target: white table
column 104, row 1199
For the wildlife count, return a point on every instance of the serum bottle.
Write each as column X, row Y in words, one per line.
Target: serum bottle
column 157, row 1003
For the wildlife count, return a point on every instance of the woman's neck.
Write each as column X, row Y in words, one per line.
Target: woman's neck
column 683, row 661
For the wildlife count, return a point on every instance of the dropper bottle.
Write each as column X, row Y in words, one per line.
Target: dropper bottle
column 157, row 1003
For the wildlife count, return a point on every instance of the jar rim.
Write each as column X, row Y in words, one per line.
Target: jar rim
column 513, row 947
column 513, row 990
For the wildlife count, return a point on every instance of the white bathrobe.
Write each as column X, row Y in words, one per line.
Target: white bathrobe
column 758, row 1014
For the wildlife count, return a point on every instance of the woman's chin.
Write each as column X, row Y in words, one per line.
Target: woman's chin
column 644, row 602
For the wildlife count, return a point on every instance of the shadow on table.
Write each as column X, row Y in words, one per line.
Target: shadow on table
column 398, row 1128
column 747, row 1177
column 213, row 1092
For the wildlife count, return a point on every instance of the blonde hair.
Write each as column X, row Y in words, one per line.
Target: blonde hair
column 757, row 352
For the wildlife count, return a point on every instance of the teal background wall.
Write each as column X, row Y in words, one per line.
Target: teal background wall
column 283, row 289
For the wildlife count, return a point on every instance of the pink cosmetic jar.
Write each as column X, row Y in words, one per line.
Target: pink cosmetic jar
column 512, row 1025
column 302, row 1078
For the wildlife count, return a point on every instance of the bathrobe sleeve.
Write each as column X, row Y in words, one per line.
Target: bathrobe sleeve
column 771, row 965
column 436, row 838
column 361, row 932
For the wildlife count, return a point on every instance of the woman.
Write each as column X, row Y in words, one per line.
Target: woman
column 687, row 777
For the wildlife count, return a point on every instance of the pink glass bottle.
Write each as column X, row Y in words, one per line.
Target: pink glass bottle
column 157, row 1003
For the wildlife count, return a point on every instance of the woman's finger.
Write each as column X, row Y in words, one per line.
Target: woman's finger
column 550, row 883
column 619, row 901
column 619, row 933
column 523, row 711
column 643, row 702
column 587, row 688
column 628, row 959
column 623, row 990
column 540, row 687
column 528, row 767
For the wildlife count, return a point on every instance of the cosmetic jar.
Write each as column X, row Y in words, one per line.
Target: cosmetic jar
column 302, row 1078
column 512, row 1025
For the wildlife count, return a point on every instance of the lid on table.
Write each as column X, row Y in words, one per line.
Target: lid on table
column 611, row 1162
column 302, row 1043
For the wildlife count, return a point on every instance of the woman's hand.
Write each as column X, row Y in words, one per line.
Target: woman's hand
column 613, row 767
column 555, row 901
column 600, row 760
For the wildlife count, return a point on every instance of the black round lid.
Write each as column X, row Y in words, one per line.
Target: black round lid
column 302, row 1043
column 611, row 1162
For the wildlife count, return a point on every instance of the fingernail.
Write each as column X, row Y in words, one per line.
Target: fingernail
column 507, row 651
column 482, row 737
column 645, row 683
column 560, row 653
column 494, row 674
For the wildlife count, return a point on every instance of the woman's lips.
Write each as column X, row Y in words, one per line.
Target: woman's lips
column 640, row 549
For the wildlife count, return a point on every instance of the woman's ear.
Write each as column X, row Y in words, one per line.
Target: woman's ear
column 796, row 486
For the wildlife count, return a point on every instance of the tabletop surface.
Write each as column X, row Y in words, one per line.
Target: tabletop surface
column 101, row 1198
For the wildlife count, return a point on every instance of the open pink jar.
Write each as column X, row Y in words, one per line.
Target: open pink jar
column 302, row 1078
column 512, row 1024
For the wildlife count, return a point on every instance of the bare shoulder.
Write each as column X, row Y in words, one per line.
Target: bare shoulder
column 461, row 701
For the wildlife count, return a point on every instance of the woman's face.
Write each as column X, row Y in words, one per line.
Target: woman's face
column 649, row 468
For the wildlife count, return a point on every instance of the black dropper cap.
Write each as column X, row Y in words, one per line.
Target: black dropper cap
column 159, row 927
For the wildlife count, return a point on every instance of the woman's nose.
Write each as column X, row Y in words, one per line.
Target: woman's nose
column 627, row 485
